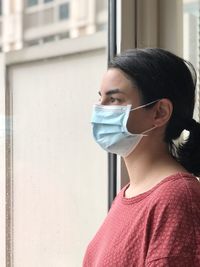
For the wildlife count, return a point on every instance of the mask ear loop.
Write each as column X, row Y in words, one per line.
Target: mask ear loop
column 143, row 133
column 145, row 105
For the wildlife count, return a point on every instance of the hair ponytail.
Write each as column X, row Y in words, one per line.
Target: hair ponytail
column 188, row 153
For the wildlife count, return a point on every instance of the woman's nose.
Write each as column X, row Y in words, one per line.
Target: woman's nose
column 102, row 101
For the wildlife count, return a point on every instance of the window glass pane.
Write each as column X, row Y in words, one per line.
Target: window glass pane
column 64, row 11
column 32, row 43
column 32, row 2
column 63, row 35
column 47, row 1
column 191, row 40
column 56, row 188
column 49, row 39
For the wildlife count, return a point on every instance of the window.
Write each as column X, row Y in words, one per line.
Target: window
column 49, row 39
column 64, row 11
column 32, row 2
column 63, row 35
column 32, row 43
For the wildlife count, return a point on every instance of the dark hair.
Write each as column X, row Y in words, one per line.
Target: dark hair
column 159, row 74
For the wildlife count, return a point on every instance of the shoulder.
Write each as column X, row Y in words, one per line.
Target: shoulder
column 175, row 219
column 178, row 187
column 178, row 194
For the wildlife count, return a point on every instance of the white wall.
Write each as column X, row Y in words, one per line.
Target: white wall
column 59, row 173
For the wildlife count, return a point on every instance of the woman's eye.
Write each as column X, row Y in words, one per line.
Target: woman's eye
column 115, row 100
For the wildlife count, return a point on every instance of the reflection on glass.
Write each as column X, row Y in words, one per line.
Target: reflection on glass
column 191, row 39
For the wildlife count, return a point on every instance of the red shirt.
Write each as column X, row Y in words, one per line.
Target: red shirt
column 158, row 228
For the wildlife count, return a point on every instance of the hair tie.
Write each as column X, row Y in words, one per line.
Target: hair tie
column 191, row 124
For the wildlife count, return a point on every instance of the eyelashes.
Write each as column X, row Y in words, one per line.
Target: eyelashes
column 111, row 100
column 115, row 100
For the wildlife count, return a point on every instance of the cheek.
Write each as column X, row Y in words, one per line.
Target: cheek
column 138, row 122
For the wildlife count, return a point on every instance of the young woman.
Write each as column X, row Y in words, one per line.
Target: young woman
column 146, row 101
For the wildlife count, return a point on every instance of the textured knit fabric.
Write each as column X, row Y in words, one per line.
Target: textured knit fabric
column 158, row 228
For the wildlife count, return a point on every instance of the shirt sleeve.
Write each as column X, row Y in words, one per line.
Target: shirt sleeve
column 173, row 240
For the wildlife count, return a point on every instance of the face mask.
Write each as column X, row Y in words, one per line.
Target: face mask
column 110, row 131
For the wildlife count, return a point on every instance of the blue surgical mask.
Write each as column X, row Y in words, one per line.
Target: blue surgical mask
column 110, row 131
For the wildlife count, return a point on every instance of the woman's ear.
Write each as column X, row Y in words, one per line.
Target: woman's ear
column 163, row 111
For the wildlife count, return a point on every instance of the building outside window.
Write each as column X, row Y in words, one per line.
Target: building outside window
column 35, row 21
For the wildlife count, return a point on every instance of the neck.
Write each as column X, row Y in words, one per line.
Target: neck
column 147, row 167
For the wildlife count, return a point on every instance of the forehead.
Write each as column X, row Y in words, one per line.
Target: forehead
column 115, row 78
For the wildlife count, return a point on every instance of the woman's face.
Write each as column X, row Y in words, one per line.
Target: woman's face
column 117, row 89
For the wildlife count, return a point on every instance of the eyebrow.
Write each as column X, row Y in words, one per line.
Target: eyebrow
column 113, row 91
